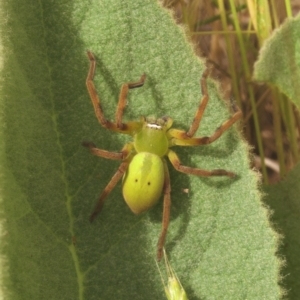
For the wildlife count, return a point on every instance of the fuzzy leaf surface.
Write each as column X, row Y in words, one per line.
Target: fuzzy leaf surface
column 279, row 60
column 284, row 200
column 220, row 242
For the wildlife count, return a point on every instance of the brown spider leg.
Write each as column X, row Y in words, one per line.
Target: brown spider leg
column 126, row 128
column 123, row 99
column 93, row 93
column 182, row 135
column 180, row 141
column 175, row 161
column 198, row 116
column 166, row 213
column 201, row 108
column 107, row 154
column 112, row 183
column 124, row 154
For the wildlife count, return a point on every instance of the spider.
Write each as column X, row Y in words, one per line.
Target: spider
column 143, row 167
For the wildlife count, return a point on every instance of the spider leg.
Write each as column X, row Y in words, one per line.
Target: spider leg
column 202, row 105
column 178, row 135
column 117, row 176
column 175, row 161
column 118, row 125
column 201, row 108
column 112, row 183
column 123, row 99
column 166, row 213
column 188, row 135
column 107, row 154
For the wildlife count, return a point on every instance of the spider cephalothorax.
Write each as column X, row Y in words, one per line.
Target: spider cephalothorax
column 153, row 136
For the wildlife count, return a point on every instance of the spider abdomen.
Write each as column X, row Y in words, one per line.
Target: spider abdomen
column 143, row 182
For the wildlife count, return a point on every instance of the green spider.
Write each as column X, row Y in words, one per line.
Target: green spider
column 143, row 168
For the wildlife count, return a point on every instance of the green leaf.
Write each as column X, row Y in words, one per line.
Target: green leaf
column 220, row 242
column 279, row 60
column 283, row 199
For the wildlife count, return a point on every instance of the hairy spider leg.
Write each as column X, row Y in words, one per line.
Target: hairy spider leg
column 118, row 126
column 108, row 154
column 166, row 213
column 184, row 138
column 201, row 108
column 112, row 183
column 175, row 161
column 123, row 155
column 179, row 140
column 123, row 99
